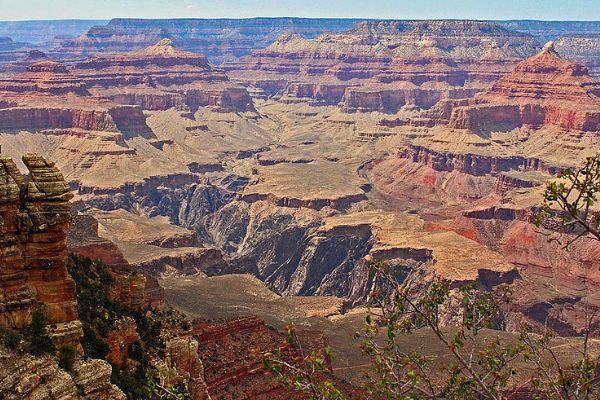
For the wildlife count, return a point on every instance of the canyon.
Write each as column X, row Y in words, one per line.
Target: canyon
column 246, row 172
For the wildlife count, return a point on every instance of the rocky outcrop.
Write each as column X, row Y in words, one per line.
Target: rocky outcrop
column 65, row 118
column 159, row 64
column 24, row 377
column 48, row 97
column 160, row 77
column 474, row 164
column 120, row 339
column 183, row 355
column 543, row 90
column 320, row 94
column 44, row 77
column 391, row 98
column 228, row 351
column 35, row 214
column 506, row 182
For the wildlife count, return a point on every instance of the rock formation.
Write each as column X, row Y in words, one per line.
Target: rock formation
column 161, row 77
column 35, row 214
column 490, row 157
column 521, row 123
column 386, row 65
column 543, row 90
column 55, row 111
column 230, row 351
column 29, row 377
column 48, row 97
column 219, row 39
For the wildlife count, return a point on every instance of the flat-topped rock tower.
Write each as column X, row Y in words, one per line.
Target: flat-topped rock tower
column 34, row 215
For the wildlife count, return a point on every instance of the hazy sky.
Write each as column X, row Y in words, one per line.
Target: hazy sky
column 480, row 9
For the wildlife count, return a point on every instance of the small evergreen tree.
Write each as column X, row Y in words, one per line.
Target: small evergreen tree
column 39, row 340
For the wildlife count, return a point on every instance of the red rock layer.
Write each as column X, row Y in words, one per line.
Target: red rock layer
column 34, row 215
column 48, row 97
column 44, row 77
column 232, row 355
column 543, row 90
column 161, row 77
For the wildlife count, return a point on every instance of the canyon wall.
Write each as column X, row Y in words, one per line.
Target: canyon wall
column 379, row 67
column 34, row 214
column 219, row 39
column 160, row 77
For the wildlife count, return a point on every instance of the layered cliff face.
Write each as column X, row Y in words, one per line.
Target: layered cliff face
column 35, row 213
column 48, row 97
column 219, row 39
column 307, row 190
column 491, row 162
column 45, row 77
column 521, row 123
column 431, row 60
column 50, row 110
column 231, row 352
column 160, row 77
column 546, row 89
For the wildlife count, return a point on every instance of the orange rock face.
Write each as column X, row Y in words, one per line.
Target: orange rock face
column 120, row 339
column 34, row 214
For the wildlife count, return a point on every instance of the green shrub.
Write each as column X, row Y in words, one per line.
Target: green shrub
column 66, row 356
column 10, row 338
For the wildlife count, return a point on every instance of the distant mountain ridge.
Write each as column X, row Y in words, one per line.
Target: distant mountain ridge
column 44, row 31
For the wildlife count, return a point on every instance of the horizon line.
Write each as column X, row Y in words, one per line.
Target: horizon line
column 299, row 17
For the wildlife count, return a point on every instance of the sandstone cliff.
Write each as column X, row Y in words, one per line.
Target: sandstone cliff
column 47, row 97
column 34, row 216
column 35, row 213
column 160, row 77
column 429, row 61
column 542, row 90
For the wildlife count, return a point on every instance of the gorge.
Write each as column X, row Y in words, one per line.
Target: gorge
column 173, row 192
